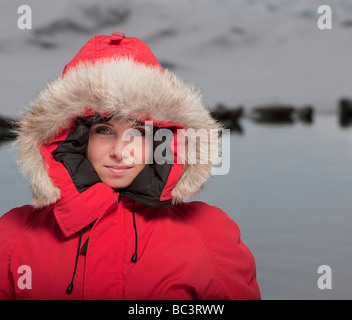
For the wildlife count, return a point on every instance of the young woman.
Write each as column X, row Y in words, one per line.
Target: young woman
column 109, row 218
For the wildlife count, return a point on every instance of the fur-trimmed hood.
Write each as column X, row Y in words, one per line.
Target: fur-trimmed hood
column 129, row 82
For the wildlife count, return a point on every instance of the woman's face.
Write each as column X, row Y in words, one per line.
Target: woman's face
column 117, row 150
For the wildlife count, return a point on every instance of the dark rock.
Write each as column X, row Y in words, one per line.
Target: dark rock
column 345, row 112
column 345, row 107
column 7, row 127
column 221, row 112
column 274, row 113
column 305, row 114
column 228, row 117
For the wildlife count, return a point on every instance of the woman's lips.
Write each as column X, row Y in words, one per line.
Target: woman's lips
column 118, row 170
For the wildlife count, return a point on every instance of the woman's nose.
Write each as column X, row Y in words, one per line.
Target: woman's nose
column 116, row 150
column 119, row 151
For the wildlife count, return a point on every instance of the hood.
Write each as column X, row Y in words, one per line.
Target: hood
column 110, row 74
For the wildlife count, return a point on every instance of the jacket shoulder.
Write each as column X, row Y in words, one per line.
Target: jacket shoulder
column 12, row 226
column 233, row 263
column 213, row 224
column 209, row 218
column 14, row 223
column 17, row 219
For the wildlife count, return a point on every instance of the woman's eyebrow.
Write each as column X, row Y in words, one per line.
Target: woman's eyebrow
column 103, row 123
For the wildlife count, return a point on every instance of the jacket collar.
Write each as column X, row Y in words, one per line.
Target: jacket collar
column 80, row 211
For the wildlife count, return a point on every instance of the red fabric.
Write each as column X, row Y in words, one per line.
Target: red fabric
column 188, row 251
column 101, row 47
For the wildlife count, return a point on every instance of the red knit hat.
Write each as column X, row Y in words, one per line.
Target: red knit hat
column 115, row 46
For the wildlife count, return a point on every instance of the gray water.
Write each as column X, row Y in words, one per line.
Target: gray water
column 288, row 189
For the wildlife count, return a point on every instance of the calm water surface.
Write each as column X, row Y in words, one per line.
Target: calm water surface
column 289, row 190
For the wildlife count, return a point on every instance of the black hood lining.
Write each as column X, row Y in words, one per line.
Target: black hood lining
column 146, row 188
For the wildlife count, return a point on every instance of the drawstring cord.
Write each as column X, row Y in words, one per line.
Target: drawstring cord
column 134, row 256
column 133, row 259
column 70, row 286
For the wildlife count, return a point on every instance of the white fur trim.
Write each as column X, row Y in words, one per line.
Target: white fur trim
column 109, row 86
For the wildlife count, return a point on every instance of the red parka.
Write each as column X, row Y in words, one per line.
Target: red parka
column 81, row 239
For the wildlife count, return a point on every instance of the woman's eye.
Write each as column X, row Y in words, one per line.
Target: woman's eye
column 102, row 130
